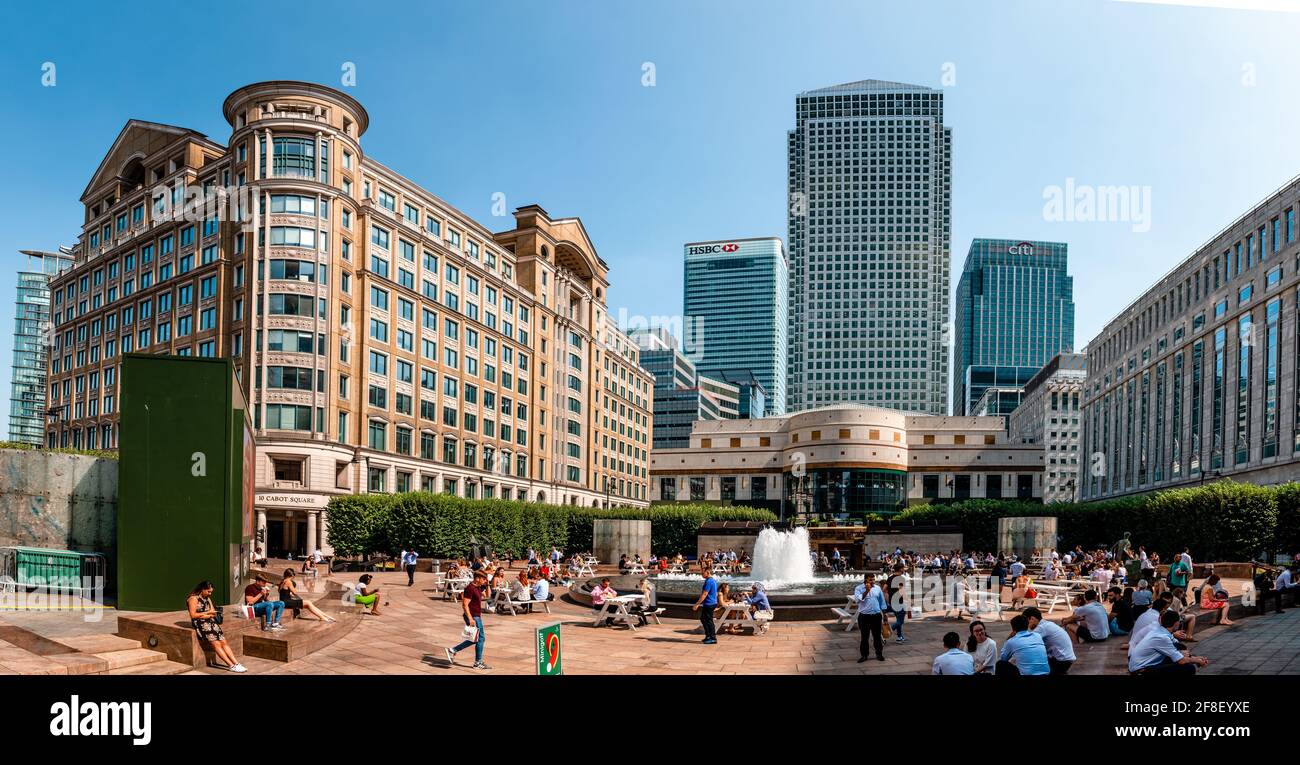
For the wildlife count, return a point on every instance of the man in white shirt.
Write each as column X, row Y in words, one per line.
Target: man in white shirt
column 1016, row 569
column 953, row 661
column 1060, row 646
column 1090, row 622
column 1149, row 619
column 1158, row 652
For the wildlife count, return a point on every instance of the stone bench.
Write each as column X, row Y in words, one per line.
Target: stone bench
column 172, row 633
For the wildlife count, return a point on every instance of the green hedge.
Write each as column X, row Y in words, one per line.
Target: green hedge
column 1219, row 521
column 441, row 525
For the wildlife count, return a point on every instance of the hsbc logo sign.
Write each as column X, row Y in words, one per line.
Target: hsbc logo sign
column 1024, row 248
column 707, row 249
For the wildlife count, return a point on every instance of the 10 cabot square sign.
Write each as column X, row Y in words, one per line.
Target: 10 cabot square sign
column 304, row 501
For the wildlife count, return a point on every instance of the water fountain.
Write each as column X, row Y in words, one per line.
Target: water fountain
column 781, row 561
column 782, row 556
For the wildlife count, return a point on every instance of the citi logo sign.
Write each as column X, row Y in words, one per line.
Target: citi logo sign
column 1024, row 248
column 707, row 249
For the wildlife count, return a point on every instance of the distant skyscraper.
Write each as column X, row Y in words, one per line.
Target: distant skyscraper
column 31, row 318
column 870, row 192
column 1015, row 312
column 681, row 394
column 735, row 291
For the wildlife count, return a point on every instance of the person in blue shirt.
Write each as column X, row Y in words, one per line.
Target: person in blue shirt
column 1024, row 653
column 1157, row 652
column 757, row 599
column 953, row 661
column 409, row 559
column 709, row 600
column 871, row 617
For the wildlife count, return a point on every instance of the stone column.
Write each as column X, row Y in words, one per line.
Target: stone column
column 311, row 544
column 325, row 535
column 260, row 532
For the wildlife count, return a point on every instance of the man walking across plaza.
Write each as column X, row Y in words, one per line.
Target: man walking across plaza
column 471, row 602
column 871, row 617
column 409, row 559
column 705, row 604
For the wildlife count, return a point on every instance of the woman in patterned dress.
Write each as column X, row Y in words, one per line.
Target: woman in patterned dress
column 203, row 615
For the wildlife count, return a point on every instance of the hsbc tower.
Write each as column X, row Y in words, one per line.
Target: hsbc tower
column 735, row 294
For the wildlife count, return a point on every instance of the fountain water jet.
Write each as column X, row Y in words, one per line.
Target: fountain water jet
column 782, row 556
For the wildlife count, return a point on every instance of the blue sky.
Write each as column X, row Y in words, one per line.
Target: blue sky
column 544, row 102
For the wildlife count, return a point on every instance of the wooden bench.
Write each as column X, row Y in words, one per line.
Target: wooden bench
column 849, row 613
column 979, row 602
column 503, row 601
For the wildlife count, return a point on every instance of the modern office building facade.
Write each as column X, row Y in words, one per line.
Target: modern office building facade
column 870, row 188
column 386, row 341
column 1197, row 378
column 846, row 462
column 1050, row 417
column 682, row 395
column 734, row 297
column 1014, row 312
column 32, row 334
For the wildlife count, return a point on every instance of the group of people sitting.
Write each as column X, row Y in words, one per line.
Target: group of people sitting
column 729, row 558
column 529, row 585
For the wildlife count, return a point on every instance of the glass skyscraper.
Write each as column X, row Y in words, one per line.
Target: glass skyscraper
column 734, row 298
column 1015, row 312
column 870, row 191
column 31, row 327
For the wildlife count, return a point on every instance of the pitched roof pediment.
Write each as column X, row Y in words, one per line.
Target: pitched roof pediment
column 138, row 138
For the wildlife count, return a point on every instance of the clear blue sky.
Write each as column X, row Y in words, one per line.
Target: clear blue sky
column 543, row 101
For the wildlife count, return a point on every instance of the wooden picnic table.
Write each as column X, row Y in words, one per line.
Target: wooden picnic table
column 737, row 614
column 615, row 609
column 636, row 568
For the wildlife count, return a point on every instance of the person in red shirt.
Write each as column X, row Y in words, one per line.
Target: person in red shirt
column 257, row 595
column 471, row 601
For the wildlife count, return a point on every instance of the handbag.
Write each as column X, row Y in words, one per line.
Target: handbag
column 246, row 612
column 469, row 634
column 1031, row 593
column 885, row 631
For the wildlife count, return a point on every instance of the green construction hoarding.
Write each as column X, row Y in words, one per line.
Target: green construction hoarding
column 185, row 497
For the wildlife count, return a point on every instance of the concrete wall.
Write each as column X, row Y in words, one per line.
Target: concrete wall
column 1024, row 535
column 874, row 544
column 61, row 501
column 611, row 538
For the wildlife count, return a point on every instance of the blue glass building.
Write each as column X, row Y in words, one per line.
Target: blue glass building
column 1014, row 313
column 735, row 298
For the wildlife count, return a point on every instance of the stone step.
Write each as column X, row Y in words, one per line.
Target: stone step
column 153, row 668
column 97, row 643
column 23, row 662
column 131, row 657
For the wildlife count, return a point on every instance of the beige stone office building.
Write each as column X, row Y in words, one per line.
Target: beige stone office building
column 847, row 461
column 387, row 342
column 1049, row 416
column 1197, row 378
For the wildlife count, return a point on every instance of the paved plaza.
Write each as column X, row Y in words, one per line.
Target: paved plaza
column 416, row 624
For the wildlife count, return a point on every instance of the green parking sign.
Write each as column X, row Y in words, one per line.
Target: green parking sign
column 548, row 650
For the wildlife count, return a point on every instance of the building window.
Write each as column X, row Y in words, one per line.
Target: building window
column 288, row 470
